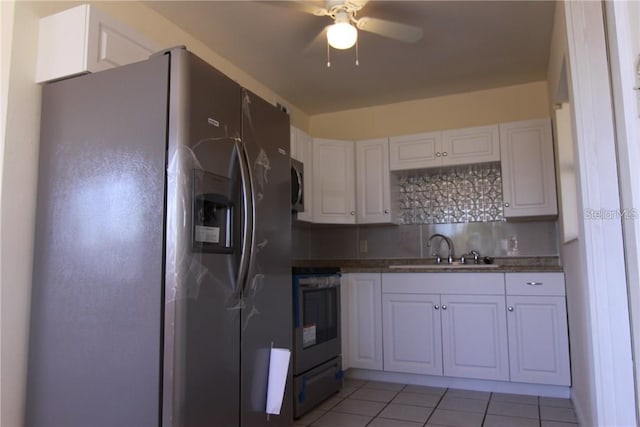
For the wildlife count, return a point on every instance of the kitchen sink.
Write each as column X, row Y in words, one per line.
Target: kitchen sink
column 442, row 266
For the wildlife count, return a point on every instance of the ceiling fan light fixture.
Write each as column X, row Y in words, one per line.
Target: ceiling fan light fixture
column 342, row 35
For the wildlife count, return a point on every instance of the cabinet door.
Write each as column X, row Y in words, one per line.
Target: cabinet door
column 528, row 172
column 333, row 182
column 538, row 340
column 85, row 39
column 303, row 152
column 415, row 151
column 411, row 333
column 365, row 320
column 474, row 331
column 373, row 200
column 470, row 145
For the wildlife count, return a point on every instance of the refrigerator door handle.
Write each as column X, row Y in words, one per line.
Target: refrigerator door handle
column 247, row 219
column 252, row 221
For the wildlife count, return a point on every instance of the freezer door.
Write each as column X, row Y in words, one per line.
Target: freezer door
column 205, row 217
column 266, row 317
column 95, row 339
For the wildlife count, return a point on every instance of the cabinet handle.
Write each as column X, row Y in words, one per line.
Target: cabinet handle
column 444, row 154
column 386, row 211
column 353, row 212
column 444, row 307
column 506, row 205
column 534, row 283
column 438, row 154
column 510, row 308
column 436, row 306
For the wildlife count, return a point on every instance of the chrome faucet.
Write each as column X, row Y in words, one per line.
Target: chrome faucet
column 449, row 245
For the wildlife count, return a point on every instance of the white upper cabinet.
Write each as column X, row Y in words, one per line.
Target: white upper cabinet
column 333, row 182
column 528, row 171
column 85, row 39
column 373, row 200
column 445, row 148
column 470, row 145
column 302, row 150
column 415, row 151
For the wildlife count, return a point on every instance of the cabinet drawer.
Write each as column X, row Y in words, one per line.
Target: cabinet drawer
column 535, row 284
column 443, row 283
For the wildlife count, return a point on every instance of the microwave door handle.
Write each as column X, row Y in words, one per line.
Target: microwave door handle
column 300, row 183
column 247, row 220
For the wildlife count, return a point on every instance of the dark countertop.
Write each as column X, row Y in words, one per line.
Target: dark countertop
column 502, row 265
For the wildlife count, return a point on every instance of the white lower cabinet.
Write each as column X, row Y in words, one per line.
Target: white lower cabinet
column 450, row 324
column 452, row 335
column 412, row 334
column 484, row 326
column 538, row 334
column 364, row 320
column 474, row 331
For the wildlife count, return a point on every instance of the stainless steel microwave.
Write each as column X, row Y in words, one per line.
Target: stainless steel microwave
column 297, row 186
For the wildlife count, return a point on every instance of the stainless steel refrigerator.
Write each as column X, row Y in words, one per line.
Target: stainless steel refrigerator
column 161, row 272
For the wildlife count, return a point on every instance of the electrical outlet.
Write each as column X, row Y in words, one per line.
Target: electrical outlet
column 363, row 246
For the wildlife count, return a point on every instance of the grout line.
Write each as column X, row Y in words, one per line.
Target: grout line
column 539, row 413
column 386, row 404
column 486, row 409
column 492, row 395
column 436, row 407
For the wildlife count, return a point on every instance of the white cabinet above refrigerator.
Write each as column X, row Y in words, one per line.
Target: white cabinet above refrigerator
column 86, row 39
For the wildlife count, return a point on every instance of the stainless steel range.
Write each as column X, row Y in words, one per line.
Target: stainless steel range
column 317, row 364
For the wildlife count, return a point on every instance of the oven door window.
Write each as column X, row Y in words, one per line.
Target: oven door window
column 319, row 316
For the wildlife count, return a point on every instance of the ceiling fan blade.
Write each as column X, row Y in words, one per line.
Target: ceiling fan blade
column 359, row 3
column 394, row 30
column 319, row 40
column 309, row 7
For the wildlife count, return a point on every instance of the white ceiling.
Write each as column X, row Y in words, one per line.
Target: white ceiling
column 467, row 45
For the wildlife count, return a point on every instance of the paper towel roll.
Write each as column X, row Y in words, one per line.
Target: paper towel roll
column 278, row 368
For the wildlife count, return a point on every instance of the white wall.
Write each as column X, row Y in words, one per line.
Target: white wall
column 7, row 10
column 477, row 108
column 19, row 157
column 603, row 390
column 582, row 391
column 624, row 41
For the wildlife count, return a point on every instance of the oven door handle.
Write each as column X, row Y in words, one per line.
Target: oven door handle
column 308, row 380
column 312, row 286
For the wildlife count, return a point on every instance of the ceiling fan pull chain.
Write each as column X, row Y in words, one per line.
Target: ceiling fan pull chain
column 328, row 55
column 357, row 61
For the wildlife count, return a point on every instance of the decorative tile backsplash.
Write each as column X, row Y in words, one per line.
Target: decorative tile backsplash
column 468, row 193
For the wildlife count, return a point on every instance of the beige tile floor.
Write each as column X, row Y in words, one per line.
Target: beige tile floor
column 378, row 404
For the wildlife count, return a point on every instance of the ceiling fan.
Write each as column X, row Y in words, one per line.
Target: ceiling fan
column 343, row 34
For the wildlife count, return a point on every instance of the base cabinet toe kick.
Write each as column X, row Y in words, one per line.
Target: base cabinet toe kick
column 501, row 329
